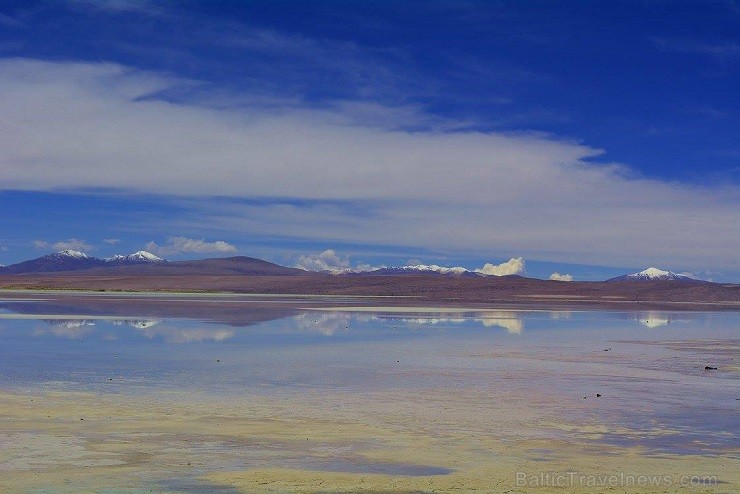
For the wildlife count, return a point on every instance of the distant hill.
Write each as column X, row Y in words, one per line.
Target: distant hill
column 144, row 263
column 223, row 266
column 66, row 260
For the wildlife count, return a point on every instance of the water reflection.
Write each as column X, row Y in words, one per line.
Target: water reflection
column 509, row 321
column 251, row 346
column 187, row 335
column 67, row 328
column 652, row 320
column 660, row 319
column 136, row 323
column 326, row 323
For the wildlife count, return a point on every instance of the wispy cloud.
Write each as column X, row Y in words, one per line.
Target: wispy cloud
column 182, row 245
column 10, row 21
column 73, row 244
column 331, row 178
column 707, row 111
column 111, row 241
column 721, row 51
column 119, row 6
column 69, row 244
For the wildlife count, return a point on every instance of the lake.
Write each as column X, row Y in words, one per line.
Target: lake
column 200, row 393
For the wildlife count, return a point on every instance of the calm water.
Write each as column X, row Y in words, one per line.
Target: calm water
column 648, row 367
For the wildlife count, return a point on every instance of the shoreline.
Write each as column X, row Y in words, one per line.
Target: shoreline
column 520, row 303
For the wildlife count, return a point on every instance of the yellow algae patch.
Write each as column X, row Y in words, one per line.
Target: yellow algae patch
column 286, row 480
column 306, row 443
column 629, row 472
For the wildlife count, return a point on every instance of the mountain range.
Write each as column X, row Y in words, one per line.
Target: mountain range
column 73, row 260
column 413, row 285
column 146, row 263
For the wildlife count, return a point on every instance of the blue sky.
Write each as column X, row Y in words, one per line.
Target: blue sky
column 586, row 137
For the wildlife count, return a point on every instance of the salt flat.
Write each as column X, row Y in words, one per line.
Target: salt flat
column 391, row 399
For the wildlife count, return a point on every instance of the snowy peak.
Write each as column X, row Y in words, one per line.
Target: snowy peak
column 654, row 274
column 433, row 268
column 140, row 257
column 143, row 256
column 658, row 274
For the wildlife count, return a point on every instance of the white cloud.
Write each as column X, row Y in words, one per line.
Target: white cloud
column 73, row 244
column 296, row 152
column 512, row 266
column 111, row 241
column 180, row 245
column 328, row 260
column 69, row 244
column 508, row 193
column 561, row 277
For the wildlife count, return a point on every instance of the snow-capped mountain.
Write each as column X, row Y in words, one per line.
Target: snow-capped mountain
column 143, row 256
column 653, row 274
column 427, row 269
column 424, row 269
column 433, row 268
column 73, row 260
column 140, row 257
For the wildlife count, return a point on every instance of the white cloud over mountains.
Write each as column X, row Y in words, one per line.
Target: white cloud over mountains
column 327, row 260
column 561, row 277
column 86, row 125
column 330, row 261
column 182, row 245
column 512, row 266
column 69, row 244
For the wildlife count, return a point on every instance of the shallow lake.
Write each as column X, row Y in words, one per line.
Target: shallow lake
column 234, row 394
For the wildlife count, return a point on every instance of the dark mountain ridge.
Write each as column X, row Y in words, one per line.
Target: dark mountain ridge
column 145, row 264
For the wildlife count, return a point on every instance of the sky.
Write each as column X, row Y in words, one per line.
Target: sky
column 586, row 138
